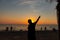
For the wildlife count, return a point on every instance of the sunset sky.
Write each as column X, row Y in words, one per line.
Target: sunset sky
column 19, row 11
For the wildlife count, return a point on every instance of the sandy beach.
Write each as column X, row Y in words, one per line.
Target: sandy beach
column 22, row 35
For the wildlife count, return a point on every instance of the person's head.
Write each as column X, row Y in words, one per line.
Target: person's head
column 29, row 21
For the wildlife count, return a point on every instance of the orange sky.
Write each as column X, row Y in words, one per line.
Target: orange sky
column 25, row 21
column 18, row 12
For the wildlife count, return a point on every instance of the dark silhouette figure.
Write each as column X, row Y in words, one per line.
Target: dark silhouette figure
column 11, row 28
column 54, row 29
column 31, row 29
column 6, row 28
column 45, row 28
column 41, row 28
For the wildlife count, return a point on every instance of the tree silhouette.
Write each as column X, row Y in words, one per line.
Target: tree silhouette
column 57, row 8
column 58, row 11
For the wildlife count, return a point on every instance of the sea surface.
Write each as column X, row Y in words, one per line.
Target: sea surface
column 24, row 27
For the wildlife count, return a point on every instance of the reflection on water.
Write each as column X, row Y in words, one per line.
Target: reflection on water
column 18, row 27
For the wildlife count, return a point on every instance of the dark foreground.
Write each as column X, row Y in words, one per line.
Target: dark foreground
column 22, row 35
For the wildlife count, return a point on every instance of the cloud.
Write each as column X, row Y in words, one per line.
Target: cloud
column 28, row 2
column 26, row 5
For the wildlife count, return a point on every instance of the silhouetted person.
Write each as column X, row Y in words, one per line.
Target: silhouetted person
column 6, row 28
column 45, row 28
column 11, row 28
column 54, row 29
column 41, row 28
column 31, row 29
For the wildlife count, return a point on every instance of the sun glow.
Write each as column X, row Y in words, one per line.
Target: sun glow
column 32, row 21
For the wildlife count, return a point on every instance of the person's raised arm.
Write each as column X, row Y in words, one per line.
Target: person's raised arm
column 37, row 20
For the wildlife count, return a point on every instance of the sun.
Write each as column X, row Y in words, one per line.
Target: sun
column 32, row 21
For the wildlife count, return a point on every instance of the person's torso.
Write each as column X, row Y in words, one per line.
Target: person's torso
column 31, row 27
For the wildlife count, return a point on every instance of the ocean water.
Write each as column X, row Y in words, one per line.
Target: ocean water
column 23, row 27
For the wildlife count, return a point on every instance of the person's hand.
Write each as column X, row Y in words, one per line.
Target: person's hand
column 39, row 16
column 37, row 20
